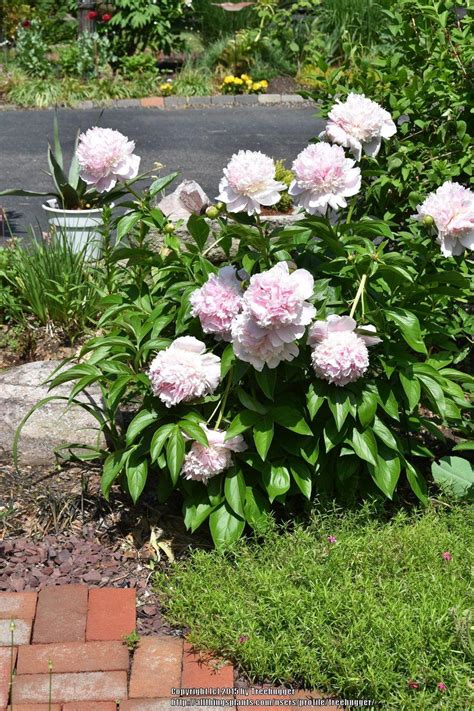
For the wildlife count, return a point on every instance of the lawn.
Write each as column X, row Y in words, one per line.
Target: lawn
column 355, row 604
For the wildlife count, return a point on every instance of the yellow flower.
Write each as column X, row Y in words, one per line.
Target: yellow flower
column 228, row 79
column 264, row 83
column 256, row 86
column 245, row 77
column 238, row 81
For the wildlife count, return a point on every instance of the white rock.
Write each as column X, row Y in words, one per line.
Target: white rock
column 51, row 426
column 188, row 199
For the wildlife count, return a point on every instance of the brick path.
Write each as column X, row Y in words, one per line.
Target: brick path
column 70, row 639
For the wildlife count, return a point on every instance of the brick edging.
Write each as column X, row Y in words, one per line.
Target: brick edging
column 183, row 102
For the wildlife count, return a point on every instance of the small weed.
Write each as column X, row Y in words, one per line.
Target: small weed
column 132, row 640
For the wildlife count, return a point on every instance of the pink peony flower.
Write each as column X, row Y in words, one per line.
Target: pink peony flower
column 217, row 302
column 452, row 209
column 338, row 324
column 275, row 299
column 341, row 358
column 447, row 556
column 106, row 156
column 202, row 463
column 324, row 178
column 184, row 371
column 275, row 314
column 249, row 182
column 259, row 346
column 359, row 124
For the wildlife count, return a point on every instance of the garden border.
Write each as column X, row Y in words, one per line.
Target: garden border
column 180, row 102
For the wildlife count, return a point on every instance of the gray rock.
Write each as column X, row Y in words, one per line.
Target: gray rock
column 188, row 199
column 51, row 426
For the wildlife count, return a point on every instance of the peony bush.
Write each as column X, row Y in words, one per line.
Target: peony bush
column 324, row 358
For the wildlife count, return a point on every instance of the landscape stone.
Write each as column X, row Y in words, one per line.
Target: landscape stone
column 188, row 199
column 53, row 425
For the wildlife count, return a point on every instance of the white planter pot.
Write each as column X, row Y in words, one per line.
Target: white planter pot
column 79, row 227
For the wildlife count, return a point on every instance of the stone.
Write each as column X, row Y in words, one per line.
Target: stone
column 269, row 99
column 153, row 102
column 188, row 199
column 91, row 706
column 53, row 425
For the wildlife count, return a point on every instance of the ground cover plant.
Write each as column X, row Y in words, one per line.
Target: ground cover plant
column 356, row 604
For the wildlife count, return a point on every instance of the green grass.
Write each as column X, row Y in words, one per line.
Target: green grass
column 358, row 618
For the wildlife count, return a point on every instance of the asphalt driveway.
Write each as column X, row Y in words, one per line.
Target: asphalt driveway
column 196, row 142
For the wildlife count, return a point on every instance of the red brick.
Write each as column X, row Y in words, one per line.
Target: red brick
column 87, row 686
column 19, row 605
column 155, row 102
column 200, row 670
column 91, row 706
column 73, row 657
column 156, row 668
column 35, row 707
column 21, row 632
column 61, row 615
column 5, row 673
column 112, row 613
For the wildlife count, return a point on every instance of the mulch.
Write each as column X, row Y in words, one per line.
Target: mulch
column 56, row 529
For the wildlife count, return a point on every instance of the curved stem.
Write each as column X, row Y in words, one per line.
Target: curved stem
column 223, row 402
column 359, row 295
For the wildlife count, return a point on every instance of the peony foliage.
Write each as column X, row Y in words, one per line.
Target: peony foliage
column 324, row 358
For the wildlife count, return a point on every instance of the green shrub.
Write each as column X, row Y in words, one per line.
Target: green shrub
column 371, row 437
column 87, row 57
column 136, row 25
column 358, row 618
column 422, row 76
column 136, row 64
column 31, row 50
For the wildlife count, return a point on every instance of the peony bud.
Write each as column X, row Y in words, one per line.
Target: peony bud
column 427, row 221
column 169, row 228
column 212, row 212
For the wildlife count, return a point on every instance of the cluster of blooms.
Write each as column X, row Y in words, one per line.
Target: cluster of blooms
column 451, row 209
column 93, row 15
column 202, row 463
column 106, row 156
column 166, row 88
column 274, row 315
column 340, row 354
column 243, row 84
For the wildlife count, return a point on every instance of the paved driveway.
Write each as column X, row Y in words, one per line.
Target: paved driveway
column 196, row 142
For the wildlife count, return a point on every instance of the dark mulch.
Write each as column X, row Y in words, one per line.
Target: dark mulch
column 283, row 85
column 56, row 528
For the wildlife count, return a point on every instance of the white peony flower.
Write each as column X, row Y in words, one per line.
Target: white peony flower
column 452, row 209
column 249, row 182
column 359, row 124
column 324, row 177
column 106, row 156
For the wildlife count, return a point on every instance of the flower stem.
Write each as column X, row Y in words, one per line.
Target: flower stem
column 359, row 295
column 223, row 402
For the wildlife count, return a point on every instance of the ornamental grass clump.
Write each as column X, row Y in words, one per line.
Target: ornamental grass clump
column 325, row 357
